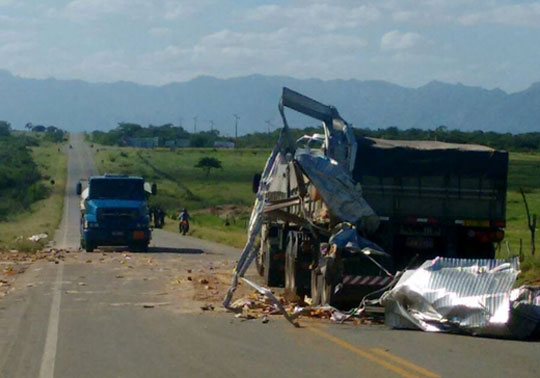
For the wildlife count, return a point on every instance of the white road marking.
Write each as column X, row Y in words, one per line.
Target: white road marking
column 65, row 220
column 51, row 341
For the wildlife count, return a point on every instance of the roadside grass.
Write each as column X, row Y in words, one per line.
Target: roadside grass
column 212, row 227
column 524, row 172
column 181, row 185
column 45, row 215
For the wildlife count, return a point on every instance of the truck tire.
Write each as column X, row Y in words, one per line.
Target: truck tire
column 89, row 247
column 273, row 269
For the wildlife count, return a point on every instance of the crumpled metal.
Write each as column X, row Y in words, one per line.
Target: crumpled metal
column 249, row 253
column 337, row 189
column 454, row 295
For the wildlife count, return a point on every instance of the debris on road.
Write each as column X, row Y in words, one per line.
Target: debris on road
column 207, row 307
column 38, row 237
column 464, row 296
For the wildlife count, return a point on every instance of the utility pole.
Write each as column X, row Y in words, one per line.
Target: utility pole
column 236, row 117
column 195, row 124
column 211, row 125
column 180, row 121
column 268, row 124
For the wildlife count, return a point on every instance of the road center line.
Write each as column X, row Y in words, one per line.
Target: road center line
column 49, row 351
column 399, row 370
column 404, row 362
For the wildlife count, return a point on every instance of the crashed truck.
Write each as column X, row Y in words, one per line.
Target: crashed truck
column 337, row 215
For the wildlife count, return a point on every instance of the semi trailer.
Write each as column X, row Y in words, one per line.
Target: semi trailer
column 340, row 213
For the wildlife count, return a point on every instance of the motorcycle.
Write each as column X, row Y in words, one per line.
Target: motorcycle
column 184, row 227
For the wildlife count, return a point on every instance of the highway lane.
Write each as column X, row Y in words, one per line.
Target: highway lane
column 126, row 315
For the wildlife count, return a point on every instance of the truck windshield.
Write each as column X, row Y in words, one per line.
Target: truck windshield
column 126, row 189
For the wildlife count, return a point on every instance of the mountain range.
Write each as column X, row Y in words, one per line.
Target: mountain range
column 76, row 105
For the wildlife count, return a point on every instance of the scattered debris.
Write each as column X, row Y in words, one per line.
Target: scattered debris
column 207, row 307
column 148, row 306
column 38, row 237
column 203, row 281
column 264, row 319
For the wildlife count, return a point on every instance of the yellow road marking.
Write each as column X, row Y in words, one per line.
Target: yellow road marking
column 376, row 359
column 404, row 362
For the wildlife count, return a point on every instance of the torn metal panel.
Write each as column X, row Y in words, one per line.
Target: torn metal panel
column 337, row 190
column 525, row 314
column 255, row 222
column 460, row 295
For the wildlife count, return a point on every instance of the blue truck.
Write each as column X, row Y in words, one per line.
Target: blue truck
column 114, row 212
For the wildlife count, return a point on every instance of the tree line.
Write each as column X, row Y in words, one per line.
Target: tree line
column 502, row 141
column 20, row 184
column 168, row 132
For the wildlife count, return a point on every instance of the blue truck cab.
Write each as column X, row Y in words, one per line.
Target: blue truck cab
column 114, row 212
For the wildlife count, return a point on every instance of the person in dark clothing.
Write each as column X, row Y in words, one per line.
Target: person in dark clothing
column 156, row 218
column 161, row 218
column 183, row 217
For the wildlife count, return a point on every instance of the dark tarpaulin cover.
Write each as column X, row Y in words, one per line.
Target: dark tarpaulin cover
column 383, row 158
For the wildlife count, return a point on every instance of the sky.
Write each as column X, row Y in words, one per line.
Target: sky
column 488, row 43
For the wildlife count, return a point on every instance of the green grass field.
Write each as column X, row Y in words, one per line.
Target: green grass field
column 44, row 216
column 225, row 193
column 180, row 184
column 524, row 172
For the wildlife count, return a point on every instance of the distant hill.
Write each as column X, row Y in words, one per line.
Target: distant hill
column 77, row 105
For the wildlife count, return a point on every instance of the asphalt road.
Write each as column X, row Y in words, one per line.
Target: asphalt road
column 110, row 314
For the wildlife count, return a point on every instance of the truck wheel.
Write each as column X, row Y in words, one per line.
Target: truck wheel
column 89, row 247
column 315, row 292
column 273, row 275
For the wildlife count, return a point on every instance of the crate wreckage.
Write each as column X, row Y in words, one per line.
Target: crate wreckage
column 339, row 219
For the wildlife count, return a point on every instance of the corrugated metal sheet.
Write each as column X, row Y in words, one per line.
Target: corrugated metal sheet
column 448, row 294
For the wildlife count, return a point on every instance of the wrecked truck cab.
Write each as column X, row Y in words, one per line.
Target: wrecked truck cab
column 305, row 190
